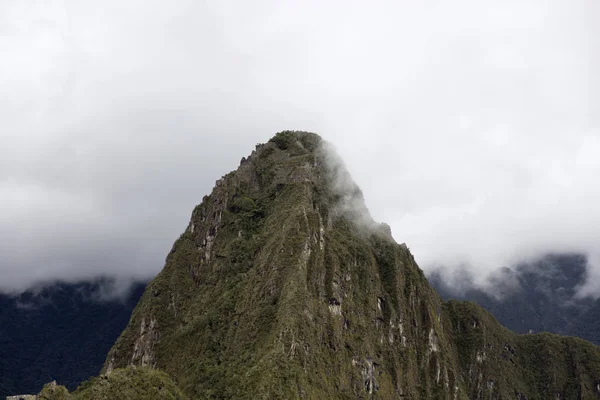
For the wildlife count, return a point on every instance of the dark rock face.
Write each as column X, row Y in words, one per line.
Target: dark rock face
column 62, row 332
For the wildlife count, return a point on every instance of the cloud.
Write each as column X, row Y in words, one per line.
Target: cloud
column 473, row 130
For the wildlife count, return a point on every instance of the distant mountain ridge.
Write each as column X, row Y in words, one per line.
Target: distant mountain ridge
column 59, row 332
column 539, row 296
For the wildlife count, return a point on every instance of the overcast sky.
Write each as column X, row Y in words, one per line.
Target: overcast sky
column 473, row 129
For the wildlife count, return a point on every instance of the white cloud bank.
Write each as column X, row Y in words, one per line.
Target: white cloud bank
column 473, row 130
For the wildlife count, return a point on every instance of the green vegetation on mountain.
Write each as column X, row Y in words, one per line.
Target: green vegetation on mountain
column 282, row 287
column 131, row 383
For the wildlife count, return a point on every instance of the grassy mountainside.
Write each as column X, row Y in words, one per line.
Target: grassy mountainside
column 283, row 287
column 131, row 383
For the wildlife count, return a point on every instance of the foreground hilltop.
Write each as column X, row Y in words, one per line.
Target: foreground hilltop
column 282, row 286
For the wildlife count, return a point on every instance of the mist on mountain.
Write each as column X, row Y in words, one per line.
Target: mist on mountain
column 538, row 296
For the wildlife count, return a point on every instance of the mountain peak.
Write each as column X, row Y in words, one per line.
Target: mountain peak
column 286, row 139
column 282, row 286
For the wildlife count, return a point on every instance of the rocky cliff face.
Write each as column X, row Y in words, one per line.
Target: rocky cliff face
column 283, row 287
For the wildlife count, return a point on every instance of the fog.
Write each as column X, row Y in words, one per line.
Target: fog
column 472, row 130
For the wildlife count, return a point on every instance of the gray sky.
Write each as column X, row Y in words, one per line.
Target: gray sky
column 473, row 128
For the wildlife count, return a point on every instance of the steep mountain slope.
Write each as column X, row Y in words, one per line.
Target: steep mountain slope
column 61, row 332
column 539, row 296
column 283, row 287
